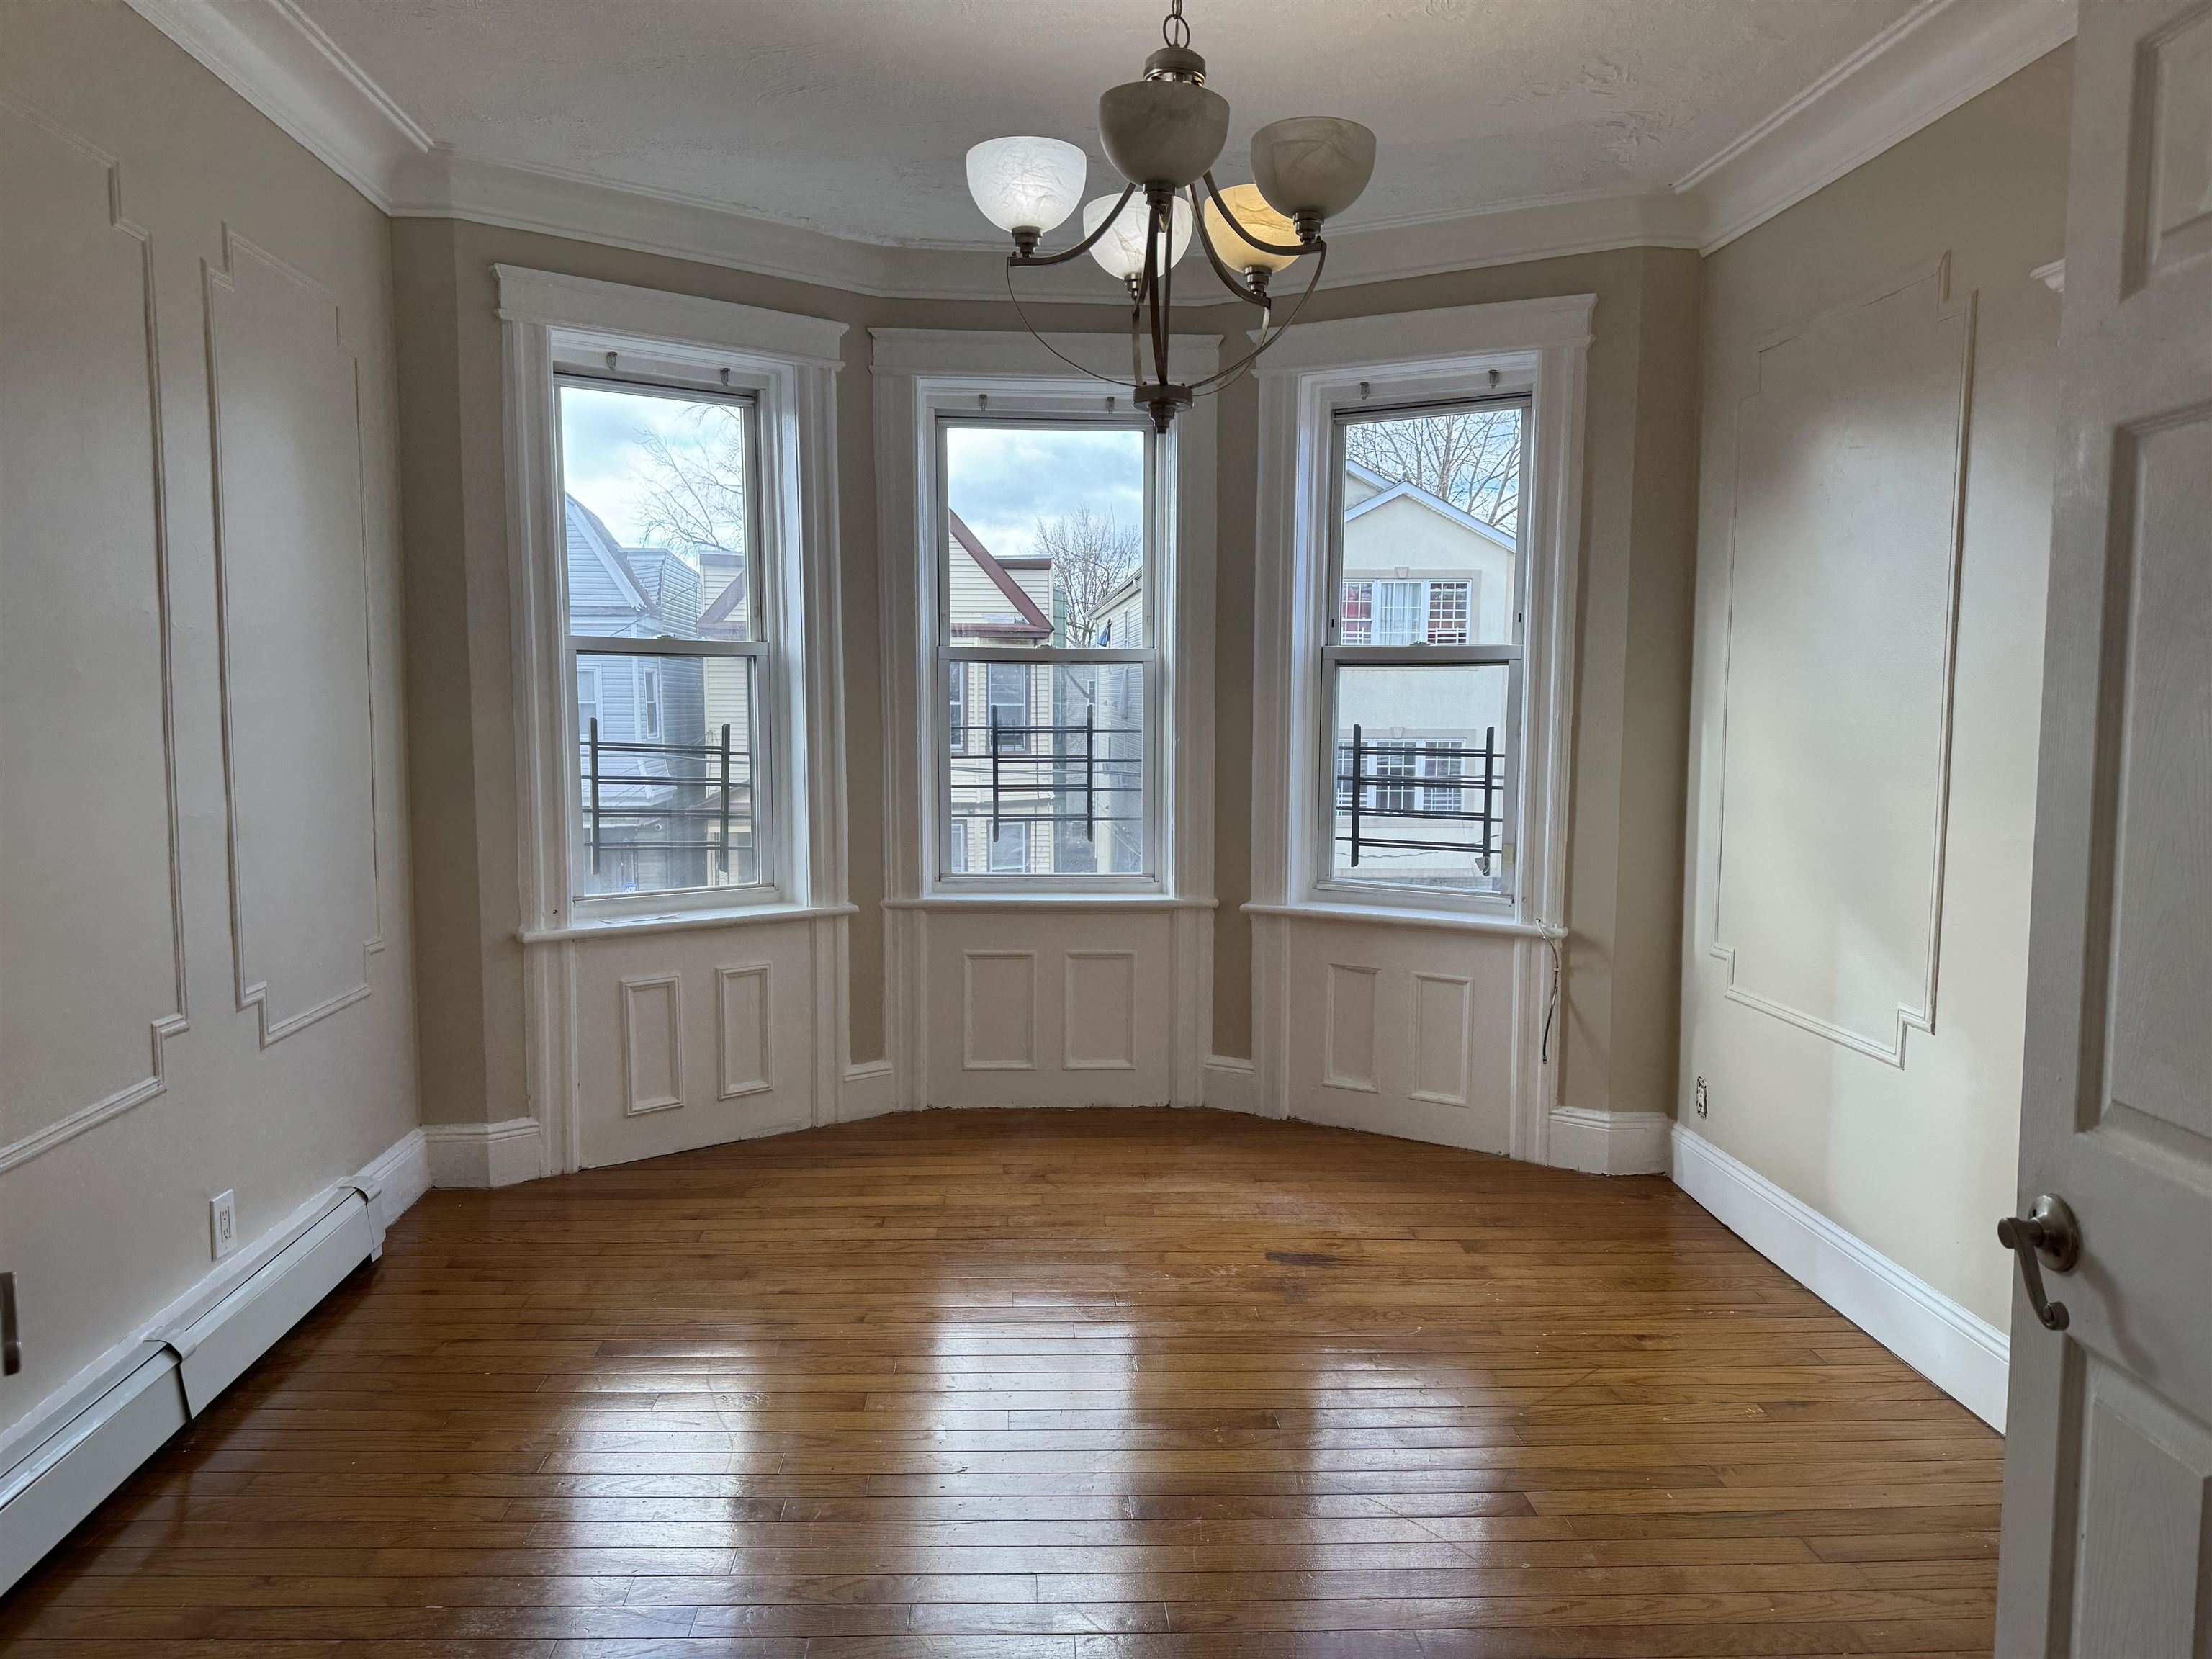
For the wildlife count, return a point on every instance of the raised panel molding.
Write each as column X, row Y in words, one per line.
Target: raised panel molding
column 1348, row 1039
column 997, row 1025
column 746, row 1033
column 653, row 1043
column 60, row 356
column 1098, row 1002
column 293, row 643
column 1838, row 644
column 2172, row 211
column 1443, row 1008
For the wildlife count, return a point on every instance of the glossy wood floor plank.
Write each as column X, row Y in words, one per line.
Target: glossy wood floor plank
column 1096, row 1385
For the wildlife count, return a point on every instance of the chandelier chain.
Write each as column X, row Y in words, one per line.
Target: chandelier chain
column 1174, row 26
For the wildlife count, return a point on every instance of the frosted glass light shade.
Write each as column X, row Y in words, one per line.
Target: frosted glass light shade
column 1120, row 251
column 1025, row 183
column 1252, row 213
column 1314, row 164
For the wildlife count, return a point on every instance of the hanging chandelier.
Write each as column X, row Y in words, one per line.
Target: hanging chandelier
column 1163, row 134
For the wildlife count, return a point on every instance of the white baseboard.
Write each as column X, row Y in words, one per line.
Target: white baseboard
column 483, row 1154
column 84, row 1440
column 394, row 1180
column 1958, row 1351
column 870, row 1089
column 1231, row 1086
column 1608, row 1143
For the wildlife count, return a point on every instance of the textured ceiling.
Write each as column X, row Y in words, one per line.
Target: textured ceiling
column 852, row 116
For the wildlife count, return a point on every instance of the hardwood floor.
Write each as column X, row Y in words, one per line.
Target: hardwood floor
column 1106, row 1384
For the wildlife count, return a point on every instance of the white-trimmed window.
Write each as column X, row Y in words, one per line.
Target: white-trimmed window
column 658, row 486
column 1415, row 683
column 1047, row 561
column 672, row 482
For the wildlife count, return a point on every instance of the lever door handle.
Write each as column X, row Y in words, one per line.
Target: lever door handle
column 2046, row 1237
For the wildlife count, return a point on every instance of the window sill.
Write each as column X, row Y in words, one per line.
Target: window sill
column 683, row 922
column 1457, row 921
column 1034, row 900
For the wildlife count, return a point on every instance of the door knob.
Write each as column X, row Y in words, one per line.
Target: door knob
column 2046, row 1237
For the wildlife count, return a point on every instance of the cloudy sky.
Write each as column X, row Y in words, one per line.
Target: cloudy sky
column 1002, row 479
column 601, row 462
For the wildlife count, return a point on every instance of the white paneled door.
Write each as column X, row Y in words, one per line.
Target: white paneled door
column 2108, row 1460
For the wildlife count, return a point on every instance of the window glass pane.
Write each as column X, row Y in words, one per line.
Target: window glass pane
column 1420, row 776
column 1431, row 528
column 1047, row 769
column 1046, row 542
column 672, row 806
column 655, row 514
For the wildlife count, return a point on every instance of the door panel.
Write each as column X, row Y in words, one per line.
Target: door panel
column 2108, row 1454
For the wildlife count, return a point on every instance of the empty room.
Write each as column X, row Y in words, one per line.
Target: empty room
column 1105, row 829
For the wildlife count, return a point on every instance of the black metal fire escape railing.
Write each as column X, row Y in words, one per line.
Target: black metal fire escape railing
column 1016, row 781
column 709, row 785
column 1426, row 782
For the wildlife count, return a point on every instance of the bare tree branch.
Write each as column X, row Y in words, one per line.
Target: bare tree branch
column 1093, row 558
column 1471, row 459
column 694, row 493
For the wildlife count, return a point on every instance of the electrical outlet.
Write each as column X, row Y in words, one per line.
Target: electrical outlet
column 1703, row 1101
column 222, row 1221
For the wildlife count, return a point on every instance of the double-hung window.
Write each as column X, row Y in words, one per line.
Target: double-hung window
column 1046, row 606
column 1422, row 666
column 665, row 636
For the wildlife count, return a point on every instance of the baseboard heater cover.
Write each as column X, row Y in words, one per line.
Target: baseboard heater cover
column 55, row 1484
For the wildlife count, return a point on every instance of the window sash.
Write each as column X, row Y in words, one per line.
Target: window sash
column 1146, row 653
column 765, row 767
column 1344, row 647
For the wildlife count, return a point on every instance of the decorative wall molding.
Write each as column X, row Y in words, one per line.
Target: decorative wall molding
column 1961, row 1352
column 1443, row 1011
column 222, row 285
column 109, row 205
column 1918, row 1013
column 1349, row 1036
column 1915, row 72
column 652, row 1050
column 1080, row 1003
column 68, row 1452
column 1609, row 1143
column 985, row 1026
column 2053, row 275
column 1232, row 1084
column 1940, row 55
column 484, row 1154
column 745, row 1029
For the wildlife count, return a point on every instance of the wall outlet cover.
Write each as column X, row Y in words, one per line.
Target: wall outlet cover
column 222, row 1223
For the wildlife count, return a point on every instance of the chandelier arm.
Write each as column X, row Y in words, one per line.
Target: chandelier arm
column 1230, row 280
column 1103, row 380
column 1222, row 207
column 1018, row 257
column 1215, row 381
column 1155, row 294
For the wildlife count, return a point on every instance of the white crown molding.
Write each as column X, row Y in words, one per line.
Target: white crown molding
column 1939, row 55
column 1913, row 73
column 279, row 62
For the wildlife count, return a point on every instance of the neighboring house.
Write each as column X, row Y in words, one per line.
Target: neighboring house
column 1039, row 711
column 1418, row 569
column 660, row 720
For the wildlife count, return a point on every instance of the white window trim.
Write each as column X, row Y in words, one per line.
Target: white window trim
column 789, row 365
column 1415, row 357
column 919, row 371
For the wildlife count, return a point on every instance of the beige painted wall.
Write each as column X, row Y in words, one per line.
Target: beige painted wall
column 1916, row 1158
column 1631, row 692
column 106, row 1228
